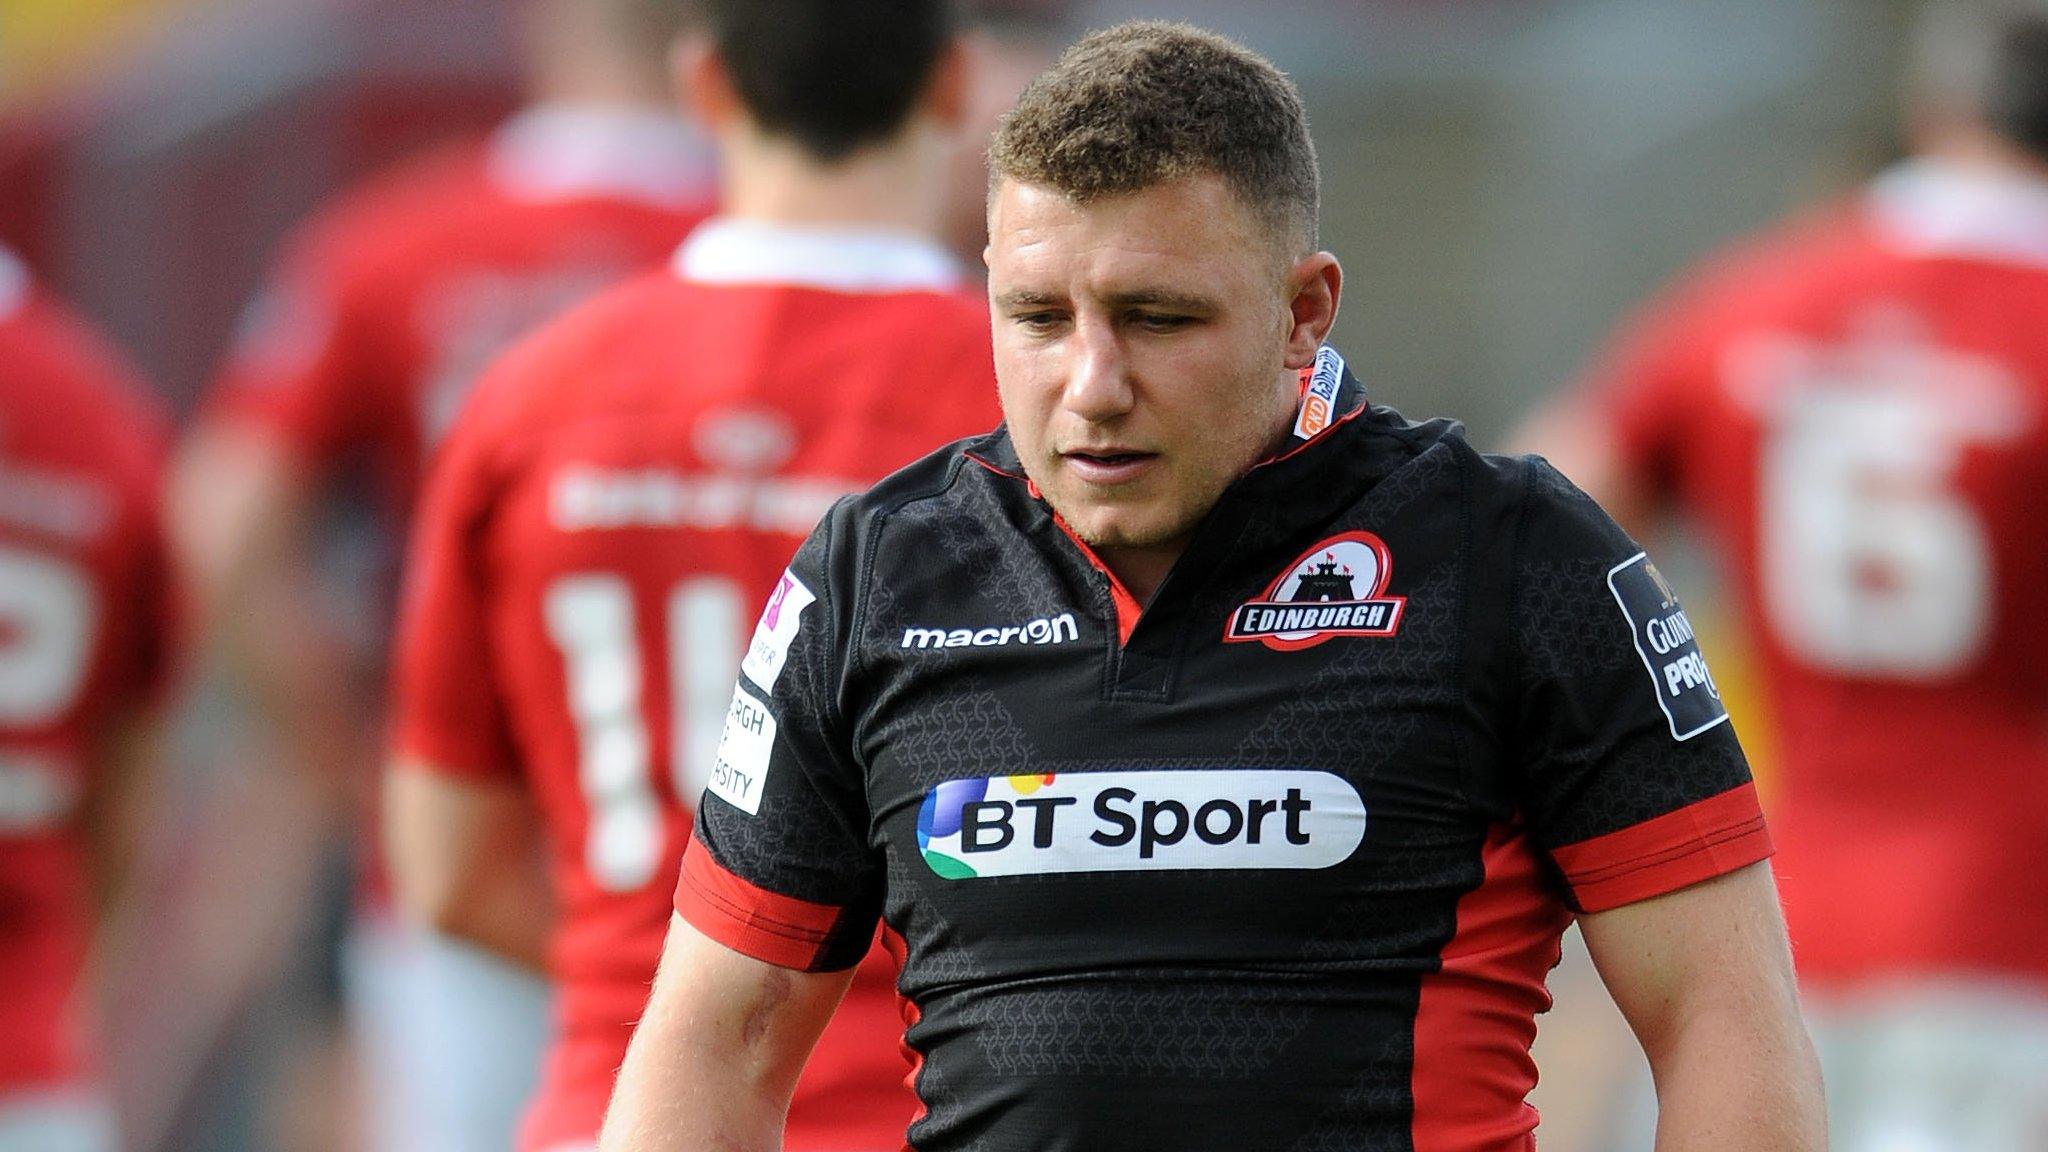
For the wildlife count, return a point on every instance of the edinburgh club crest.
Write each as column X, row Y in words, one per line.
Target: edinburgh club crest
column 1336, row 588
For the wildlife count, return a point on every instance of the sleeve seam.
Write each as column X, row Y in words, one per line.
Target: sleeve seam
column 751, row 918
column 1705, row 842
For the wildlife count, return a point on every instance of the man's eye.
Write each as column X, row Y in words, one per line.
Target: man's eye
column 1161, row 321
column 1038, row 321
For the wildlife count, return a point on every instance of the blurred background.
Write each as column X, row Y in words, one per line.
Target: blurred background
column 1503, row 179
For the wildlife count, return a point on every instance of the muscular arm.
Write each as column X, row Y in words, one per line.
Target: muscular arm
column 120, row 800
column 465, row 860
column 716, row 1056
column 238, row 515
column 1704, row 977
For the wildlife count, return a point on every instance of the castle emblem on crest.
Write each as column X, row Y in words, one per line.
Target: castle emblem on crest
column 1318, row 597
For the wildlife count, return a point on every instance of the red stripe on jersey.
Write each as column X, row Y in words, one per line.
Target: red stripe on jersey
column 992, row 466
column 1476, row 1015
column 1702, row 840
column 1127, row 607
column 770, row 927
column 893, row 941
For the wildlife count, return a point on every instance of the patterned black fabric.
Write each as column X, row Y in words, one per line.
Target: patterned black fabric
column 1253, row 995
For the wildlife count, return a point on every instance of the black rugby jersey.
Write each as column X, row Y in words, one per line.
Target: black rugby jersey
column 1280, row 863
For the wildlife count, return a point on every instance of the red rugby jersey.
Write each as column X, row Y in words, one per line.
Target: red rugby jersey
column 591, row 554
column 85, row 625
column 388, row 305
column 1856, row 410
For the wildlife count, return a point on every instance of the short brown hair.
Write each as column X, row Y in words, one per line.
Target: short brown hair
column 1147, row 102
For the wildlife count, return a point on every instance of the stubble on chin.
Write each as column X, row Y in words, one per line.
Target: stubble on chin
column 1126, row 527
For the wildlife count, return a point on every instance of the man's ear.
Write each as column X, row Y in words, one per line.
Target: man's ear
column 1317, row 284
column 702, row 83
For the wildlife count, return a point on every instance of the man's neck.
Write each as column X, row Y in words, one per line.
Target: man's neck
column 1142, row 570
column 893, row 184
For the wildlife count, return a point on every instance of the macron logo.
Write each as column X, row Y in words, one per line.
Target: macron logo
column 1048, row 630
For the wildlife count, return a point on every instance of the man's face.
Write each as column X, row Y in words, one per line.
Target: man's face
column 1141, row 348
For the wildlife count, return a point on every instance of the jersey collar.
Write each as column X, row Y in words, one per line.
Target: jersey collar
column 1330, row 396
column 569, row 151
column 728, row 250
column 1941, row 208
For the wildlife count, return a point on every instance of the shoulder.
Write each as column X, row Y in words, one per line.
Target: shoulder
column 1540, row 493
column 60, row 365
column 561, row 368
column 382, row 223
column 1547, row 533
column 934, row 484
column 1760, row 272
column 951, row 489
column 910, row 326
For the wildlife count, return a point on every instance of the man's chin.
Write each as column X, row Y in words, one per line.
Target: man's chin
column 1102, row 531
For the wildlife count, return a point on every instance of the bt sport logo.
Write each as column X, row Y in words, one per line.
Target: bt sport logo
column 1139, row 821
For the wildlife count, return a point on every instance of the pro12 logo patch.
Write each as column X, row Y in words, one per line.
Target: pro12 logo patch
column 1664, row 639
column 1337, row 588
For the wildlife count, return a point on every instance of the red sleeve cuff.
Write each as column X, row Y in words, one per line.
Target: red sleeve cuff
column 753, row 921
column 1698, row 842
column 448, row 755
column 275, row 421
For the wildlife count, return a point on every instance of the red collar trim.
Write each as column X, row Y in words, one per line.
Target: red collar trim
column 1127, row 607
column 999, row 470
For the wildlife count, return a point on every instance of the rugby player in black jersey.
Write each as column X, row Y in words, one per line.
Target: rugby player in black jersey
column 1224, row 755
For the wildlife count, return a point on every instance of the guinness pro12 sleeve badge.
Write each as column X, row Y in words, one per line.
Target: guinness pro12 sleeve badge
column 1664, row 639
column 1337, row 588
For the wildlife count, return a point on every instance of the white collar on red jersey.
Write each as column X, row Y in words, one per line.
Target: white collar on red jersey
column 565, row 151
column 727, row 250
column 1941, row 208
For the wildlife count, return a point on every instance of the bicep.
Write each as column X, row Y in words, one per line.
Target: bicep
column 448, row 836
column 719, row 1047
column 236, row 499
column 1715, row 948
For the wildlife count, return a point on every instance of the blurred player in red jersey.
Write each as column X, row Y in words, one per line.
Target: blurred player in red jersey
column 351, row 365
column 1855, row 410
column 85, row 632
column 619, row 500
column 1007, row 43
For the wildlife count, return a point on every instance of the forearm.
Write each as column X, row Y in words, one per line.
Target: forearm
column 512, row 918
column 241, row 518
column 716, row 1055
column 465, row 859
column 1737, row 1080
column 119, row 802
column 303, row 678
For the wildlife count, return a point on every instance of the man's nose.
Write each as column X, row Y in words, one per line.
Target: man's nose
column 1098, row 383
